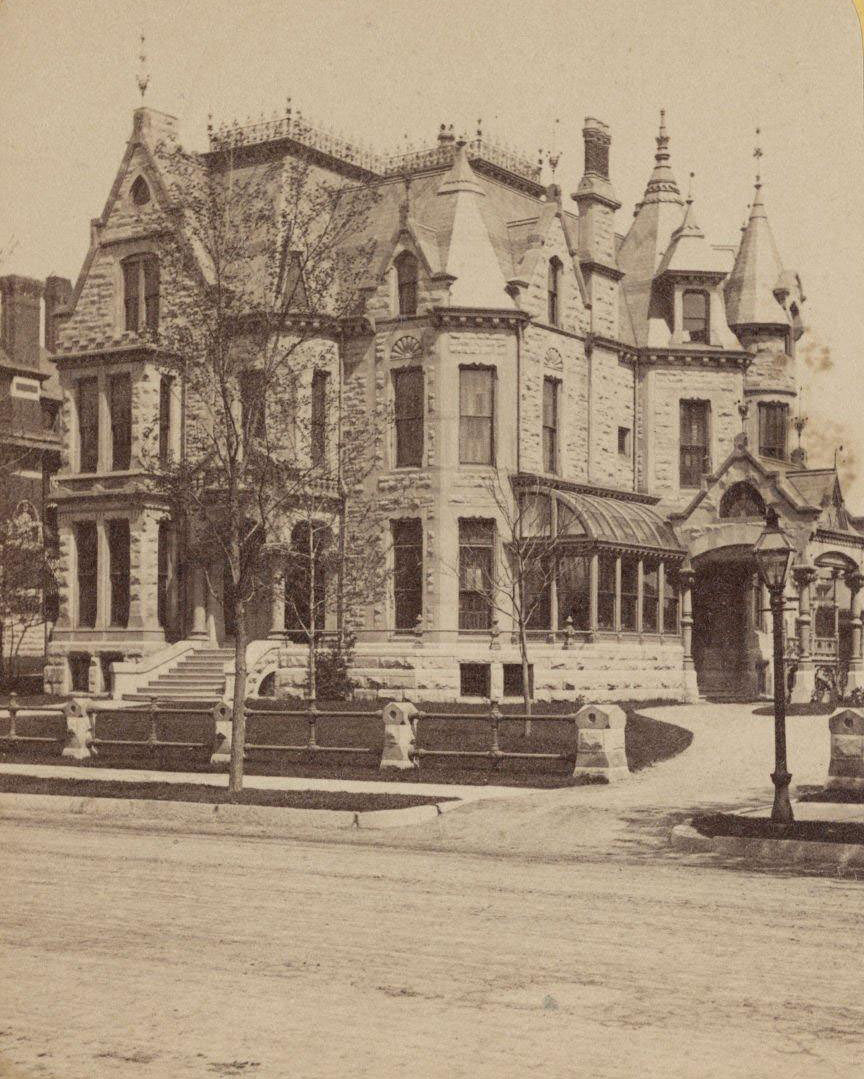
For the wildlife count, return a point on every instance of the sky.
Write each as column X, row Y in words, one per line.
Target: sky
column 381, row 69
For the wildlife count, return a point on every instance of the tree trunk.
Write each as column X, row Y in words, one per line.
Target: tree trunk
column 526, row 682
column 312, row 682
column 238, row 725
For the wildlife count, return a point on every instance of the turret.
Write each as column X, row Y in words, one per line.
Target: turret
column 763, row 307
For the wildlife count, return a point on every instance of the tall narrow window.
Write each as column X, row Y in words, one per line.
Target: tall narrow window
column 408, row 407
column 406, row 281
column 695, row 315
column 253, row 404
column 773, row 427
column 550, row 424
column 476, row 573
column 88, row 424
column 476, row 415
column 536, row 586
column 162, row 557
column 407, row 571
column 166, row 386
column 554, row 292
column 606, row 592
column 574, row 591
column 650, row 595
column 629, row 591
column 671, row 588
column 118, row 560
column 141, row 293
column 318, row 419
column 695, row 460
column 120, row 405
column 85, row 549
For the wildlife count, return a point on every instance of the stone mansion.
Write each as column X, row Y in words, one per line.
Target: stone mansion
column 639, row 380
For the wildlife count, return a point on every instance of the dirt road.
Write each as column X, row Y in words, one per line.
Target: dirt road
column 135, row 954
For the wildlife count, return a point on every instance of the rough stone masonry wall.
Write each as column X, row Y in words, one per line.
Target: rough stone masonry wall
column 547, row 354
column 611, row 407
column 601, row 671
column 664, row 389
column 97, row 320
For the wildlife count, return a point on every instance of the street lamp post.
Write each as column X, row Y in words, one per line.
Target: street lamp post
column 773, row 552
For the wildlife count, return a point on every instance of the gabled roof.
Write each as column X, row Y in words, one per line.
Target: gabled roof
column 818, row 486
column 689, row 251
column 783, row 488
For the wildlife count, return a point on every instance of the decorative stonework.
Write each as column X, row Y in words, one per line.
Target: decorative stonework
column 406, row 348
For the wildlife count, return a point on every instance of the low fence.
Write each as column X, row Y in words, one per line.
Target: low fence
column 23, row 728
column 152, row 730
column 590, row 739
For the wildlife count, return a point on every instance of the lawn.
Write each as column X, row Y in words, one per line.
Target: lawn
column 205, row 793
column 813, row 831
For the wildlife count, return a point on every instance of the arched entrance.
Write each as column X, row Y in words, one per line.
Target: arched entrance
column 727, row 645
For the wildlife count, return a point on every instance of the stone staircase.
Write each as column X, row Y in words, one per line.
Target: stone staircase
column 198, row 676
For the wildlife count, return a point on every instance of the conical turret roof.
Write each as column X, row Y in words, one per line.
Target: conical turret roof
column 657, row 217
column 757, row 272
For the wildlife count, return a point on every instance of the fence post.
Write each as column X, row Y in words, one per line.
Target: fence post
column 79, row 731
column 223, row 717
column 400, row 735
column 600, row 746
column 313, row 726
column 495, row 719
column 13, row 712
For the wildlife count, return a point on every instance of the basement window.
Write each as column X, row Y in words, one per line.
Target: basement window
column 475, row 679
column 513, row 682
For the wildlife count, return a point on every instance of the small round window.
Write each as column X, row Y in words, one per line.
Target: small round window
column 140, row 192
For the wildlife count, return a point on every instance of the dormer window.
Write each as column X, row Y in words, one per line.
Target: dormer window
column 553, row 293
column 141, row 293
column 140, row 192
column 695, row 316
column 406, row 282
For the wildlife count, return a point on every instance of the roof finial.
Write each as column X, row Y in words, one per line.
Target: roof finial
column 758, row 154
column 554, row 155
column 143, row 73
column 662, row 135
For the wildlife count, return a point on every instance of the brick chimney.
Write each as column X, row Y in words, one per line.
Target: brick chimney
column 597, row 142
column 58, row 295
column 19, row 334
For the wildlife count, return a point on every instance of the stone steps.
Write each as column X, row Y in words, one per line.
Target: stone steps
column 198, row 675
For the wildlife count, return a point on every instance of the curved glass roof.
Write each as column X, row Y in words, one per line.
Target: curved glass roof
column 613, row 520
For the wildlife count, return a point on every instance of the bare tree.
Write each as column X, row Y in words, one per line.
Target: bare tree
column 258, row 273
column 516, row 582
column 27, row 570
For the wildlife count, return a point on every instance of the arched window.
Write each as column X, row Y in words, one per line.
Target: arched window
column 406, row 281
column 695, row 316
column 141, row 293
column 742, row 500
column 140, row 192
column 554, row 289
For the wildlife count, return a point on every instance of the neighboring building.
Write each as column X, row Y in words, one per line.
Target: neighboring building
column 29, row 444
column 641, row 387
